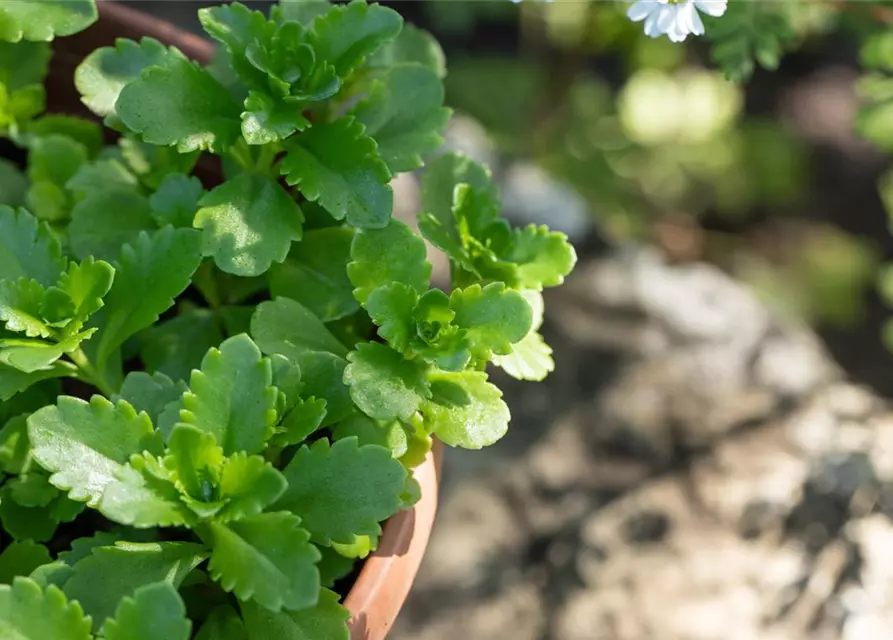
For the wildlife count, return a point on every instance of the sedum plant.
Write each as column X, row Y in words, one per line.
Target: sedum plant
column 220, row 356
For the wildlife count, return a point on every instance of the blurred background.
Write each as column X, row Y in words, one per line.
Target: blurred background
column 713, row 456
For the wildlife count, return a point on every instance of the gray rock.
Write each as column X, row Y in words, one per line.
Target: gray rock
column 531, row 196
column 721, row 481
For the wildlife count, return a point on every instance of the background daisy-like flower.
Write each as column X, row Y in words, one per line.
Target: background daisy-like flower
column 675, row 18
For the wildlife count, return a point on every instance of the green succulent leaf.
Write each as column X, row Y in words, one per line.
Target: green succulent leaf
column 13, row 381
column 27, row 612
column 28, row 249
column 222, row 624
column 465, row 410
column 287, row 379
column 248, row 223
column 56, row 309
column 15, row 448
column 531, row 358
column 314, row 274
column 412, row 46
column 100, row 175
column 343, row 490
column 266, row 120
column 20, row 307
column 83, row 547
column 439, row 183
column 232, row 397
column 327, row 619
column 85, row 284
column 150, row 163
column 154, row 612
column 23, row 64
column 383, row 384
column 19, row 107
column 52, row 574
column 86, row 132
column 288, row 328
column 143, row 496
column 543, row 257
column 248, row 484
column 333, row 566
column 196, row 461
column 13, row 184
column 175, row 202
column 476, row 239
column 23, row 67
column 85, row 445
column 236, row 27
column 150, row 393
column 324, row 379
column 390, row 435
column 53, row 160
column 35, row 523
column 30, row 356
column 176, row 347
column 303, row 11
column 493, row 316
column 105, row 221
column 361, row 547
column 43, row 20
column 31, row 489
column 266, row 558
column 405, row 115
column 148, row 276
column 103, row 579
column 180, row 104
column 391, row 307
column 105, row 72
column 383, row 256
column 344, row 36
column 338, row 165
column 436, row 338
column 20, row 558
column 303, row 420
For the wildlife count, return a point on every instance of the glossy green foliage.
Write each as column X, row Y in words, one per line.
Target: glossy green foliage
column 213, row 391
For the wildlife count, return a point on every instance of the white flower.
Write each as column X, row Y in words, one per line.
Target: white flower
column 676, row 18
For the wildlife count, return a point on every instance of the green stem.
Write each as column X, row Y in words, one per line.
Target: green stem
column 265, row 159
column 91, row 374
column 241, row 155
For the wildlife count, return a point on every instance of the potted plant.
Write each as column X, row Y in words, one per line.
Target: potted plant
column 221, row 359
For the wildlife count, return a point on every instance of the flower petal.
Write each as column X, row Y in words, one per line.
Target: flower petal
column 667, row 17
column 696, row 25
column 641, row 10
column 713, row 8
column 677, row 35
column 686, row 18
column 651, row 28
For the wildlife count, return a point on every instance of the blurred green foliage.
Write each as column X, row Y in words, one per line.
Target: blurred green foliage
column 647, row 130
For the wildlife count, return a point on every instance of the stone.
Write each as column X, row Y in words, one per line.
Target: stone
column 531, row 196
column 700, row 469
column 475, row 530
column 517, row 613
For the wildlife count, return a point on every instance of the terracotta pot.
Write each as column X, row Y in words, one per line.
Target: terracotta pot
column 386, row 577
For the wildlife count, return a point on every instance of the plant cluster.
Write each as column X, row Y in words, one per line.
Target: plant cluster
column 213, row 392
